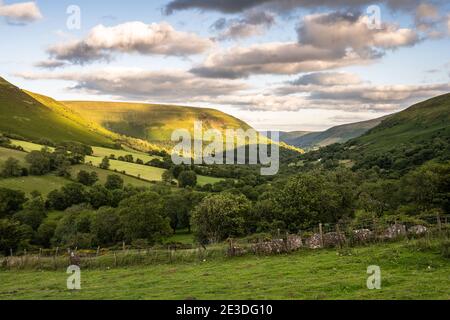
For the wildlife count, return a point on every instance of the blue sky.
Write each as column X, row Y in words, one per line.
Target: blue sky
column 257, row 65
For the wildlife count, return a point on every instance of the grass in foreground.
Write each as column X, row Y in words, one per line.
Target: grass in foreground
column 406, row 274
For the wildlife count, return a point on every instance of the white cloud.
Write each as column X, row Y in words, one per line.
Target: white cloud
column 346, row 92
column 343, row 30
column 326, row 41
column 275, row 58
column 138, row 84
column 20, row 12
column 130, row 37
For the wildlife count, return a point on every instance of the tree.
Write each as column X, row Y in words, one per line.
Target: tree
column 11, row 168
column 10, row 201
column 310, row 198
column 86, row 178
column 167, row 177
column 74, row 229
column 114, row 182
column 129, row 158
column 33, row 213
column 40, row 162
column 106, row 226
column 220, row 216
column 176, row 208
column 62, row 170
column 13, row 235
column 427, row 187
column 105, row 163
column 176, row 170
column 99, row 196
column 69, row 195
column 187, row 179
column 142, row 217
column 45, row 233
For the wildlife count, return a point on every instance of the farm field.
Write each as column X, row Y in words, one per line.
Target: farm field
column 43, row 184
column 106, row 152
column 6, row 153
column 406, row 274
column 103, row 174
column 136, row 170
column 132, row 169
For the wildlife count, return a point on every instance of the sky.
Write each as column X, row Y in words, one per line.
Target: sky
column 289, row 65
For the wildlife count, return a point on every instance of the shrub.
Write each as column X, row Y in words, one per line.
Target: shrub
column 114, row 182
column 187, row 179
column 86, row 178
column 220, row 216
column 11, row 168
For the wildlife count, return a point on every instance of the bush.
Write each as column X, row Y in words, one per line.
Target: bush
column 141, row 217
column 114, row 182
column 69, row 195
column 11, row 168
column 13, row 235
column 220, row 216
column 10, row 201
column 86, row 178
column 39, row 162
column 187, row 179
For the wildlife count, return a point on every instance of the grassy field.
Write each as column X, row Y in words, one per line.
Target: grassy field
column 136, row 170
column 182, row 236
column 406, row 274
column 46, row 184
column 8, row 153
column 29, row 146
column 43, row 184
column 103, row 174
column 106, row 152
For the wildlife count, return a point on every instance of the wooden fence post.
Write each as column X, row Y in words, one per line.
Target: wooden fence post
column 439, row 222
column 98, row 251
column 338, row 230
column 54, row 258
column 115, row 259
column 321, row 235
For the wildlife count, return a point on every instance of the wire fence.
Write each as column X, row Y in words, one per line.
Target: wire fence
column 344, row 234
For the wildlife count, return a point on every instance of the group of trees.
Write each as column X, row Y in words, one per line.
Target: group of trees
column 108, row 214
column 94, row 215
column 45, row 161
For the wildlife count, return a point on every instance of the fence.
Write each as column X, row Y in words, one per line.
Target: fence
column 342, row 234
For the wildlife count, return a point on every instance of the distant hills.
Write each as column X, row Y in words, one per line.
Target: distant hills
column 419, row 124
column 154, row 123
column 339, row 134
column 34, row 117
column 401, row 142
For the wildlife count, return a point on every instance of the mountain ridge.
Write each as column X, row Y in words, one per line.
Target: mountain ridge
column 337, row 134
